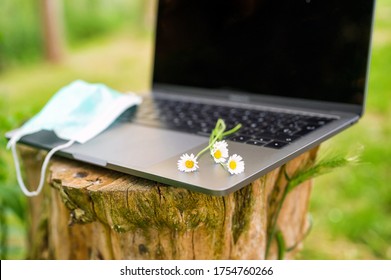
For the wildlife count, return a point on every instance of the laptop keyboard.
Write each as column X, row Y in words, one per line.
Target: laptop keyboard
column 273, row 129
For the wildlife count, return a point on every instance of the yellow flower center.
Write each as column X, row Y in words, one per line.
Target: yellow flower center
column 217, row 154
column 232, row 165
column 189, row 163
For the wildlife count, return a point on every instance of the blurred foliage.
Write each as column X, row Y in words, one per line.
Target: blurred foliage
column 90, row 18
column 12, row 204
column 20, row 34
column 21, row 38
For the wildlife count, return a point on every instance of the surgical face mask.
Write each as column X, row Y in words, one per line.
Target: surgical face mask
column 77, row 113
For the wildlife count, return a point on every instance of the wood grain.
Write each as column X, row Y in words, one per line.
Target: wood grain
column 87, row 212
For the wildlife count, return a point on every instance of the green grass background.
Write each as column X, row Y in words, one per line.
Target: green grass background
column 351, row 207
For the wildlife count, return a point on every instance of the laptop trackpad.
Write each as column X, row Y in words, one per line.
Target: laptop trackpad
column 132, row 145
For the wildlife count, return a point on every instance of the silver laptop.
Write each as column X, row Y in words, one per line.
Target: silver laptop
column 293, row 73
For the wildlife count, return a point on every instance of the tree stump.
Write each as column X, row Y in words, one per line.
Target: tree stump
column 93, row 213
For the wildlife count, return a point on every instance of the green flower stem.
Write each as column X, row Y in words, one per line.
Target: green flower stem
column 281, row 245
column 207, row 148
column 232, row 131
column 215, row 135
column 273, row 231
column 310, row 172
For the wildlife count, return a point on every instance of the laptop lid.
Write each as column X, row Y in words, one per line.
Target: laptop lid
column 309, row 50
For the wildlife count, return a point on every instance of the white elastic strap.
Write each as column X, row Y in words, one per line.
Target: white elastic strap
column 43, row 168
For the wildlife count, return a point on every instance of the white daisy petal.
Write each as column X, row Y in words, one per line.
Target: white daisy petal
column 235, row 164
column 219, row 151
column 187, row 163
column 222, row 143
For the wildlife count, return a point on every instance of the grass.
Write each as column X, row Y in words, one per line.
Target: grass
column 119, row 61
column 350, row 207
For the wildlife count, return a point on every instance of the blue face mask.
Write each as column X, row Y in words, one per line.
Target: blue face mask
column 77, row 113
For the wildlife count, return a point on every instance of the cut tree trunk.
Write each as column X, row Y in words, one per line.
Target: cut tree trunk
column 52, row 26
column 93, row 213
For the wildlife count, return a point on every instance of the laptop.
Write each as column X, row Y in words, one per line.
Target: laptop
column 293, row 73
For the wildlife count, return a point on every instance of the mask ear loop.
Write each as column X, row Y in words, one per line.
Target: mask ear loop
column 43, row 168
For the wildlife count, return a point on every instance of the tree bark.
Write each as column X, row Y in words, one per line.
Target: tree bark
column 52, row 29
column 94, row 213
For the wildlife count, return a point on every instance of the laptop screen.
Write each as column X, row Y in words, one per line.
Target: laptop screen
column 309, row 49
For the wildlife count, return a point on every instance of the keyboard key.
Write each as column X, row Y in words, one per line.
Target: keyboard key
column 262, row 139
column 311, row 127
column 289, row 131
column 270, row 128
column 256, row 143
column 307, row 129
column 249, row 131
column 286, row 138
column 240, row 138
column 276, row 144
column 319, row 120
column 206, row 130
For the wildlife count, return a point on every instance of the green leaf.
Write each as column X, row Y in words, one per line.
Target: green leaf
column 322, row 167
column 11, row 199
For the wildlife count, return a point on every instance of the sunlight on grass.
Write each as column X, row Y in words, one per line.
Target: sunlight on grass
column 122, row 63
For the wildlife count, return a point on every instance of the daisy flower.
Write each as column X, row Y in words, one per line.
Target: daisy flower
column 235, row 164
column 219, row 151
column 187, row 163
